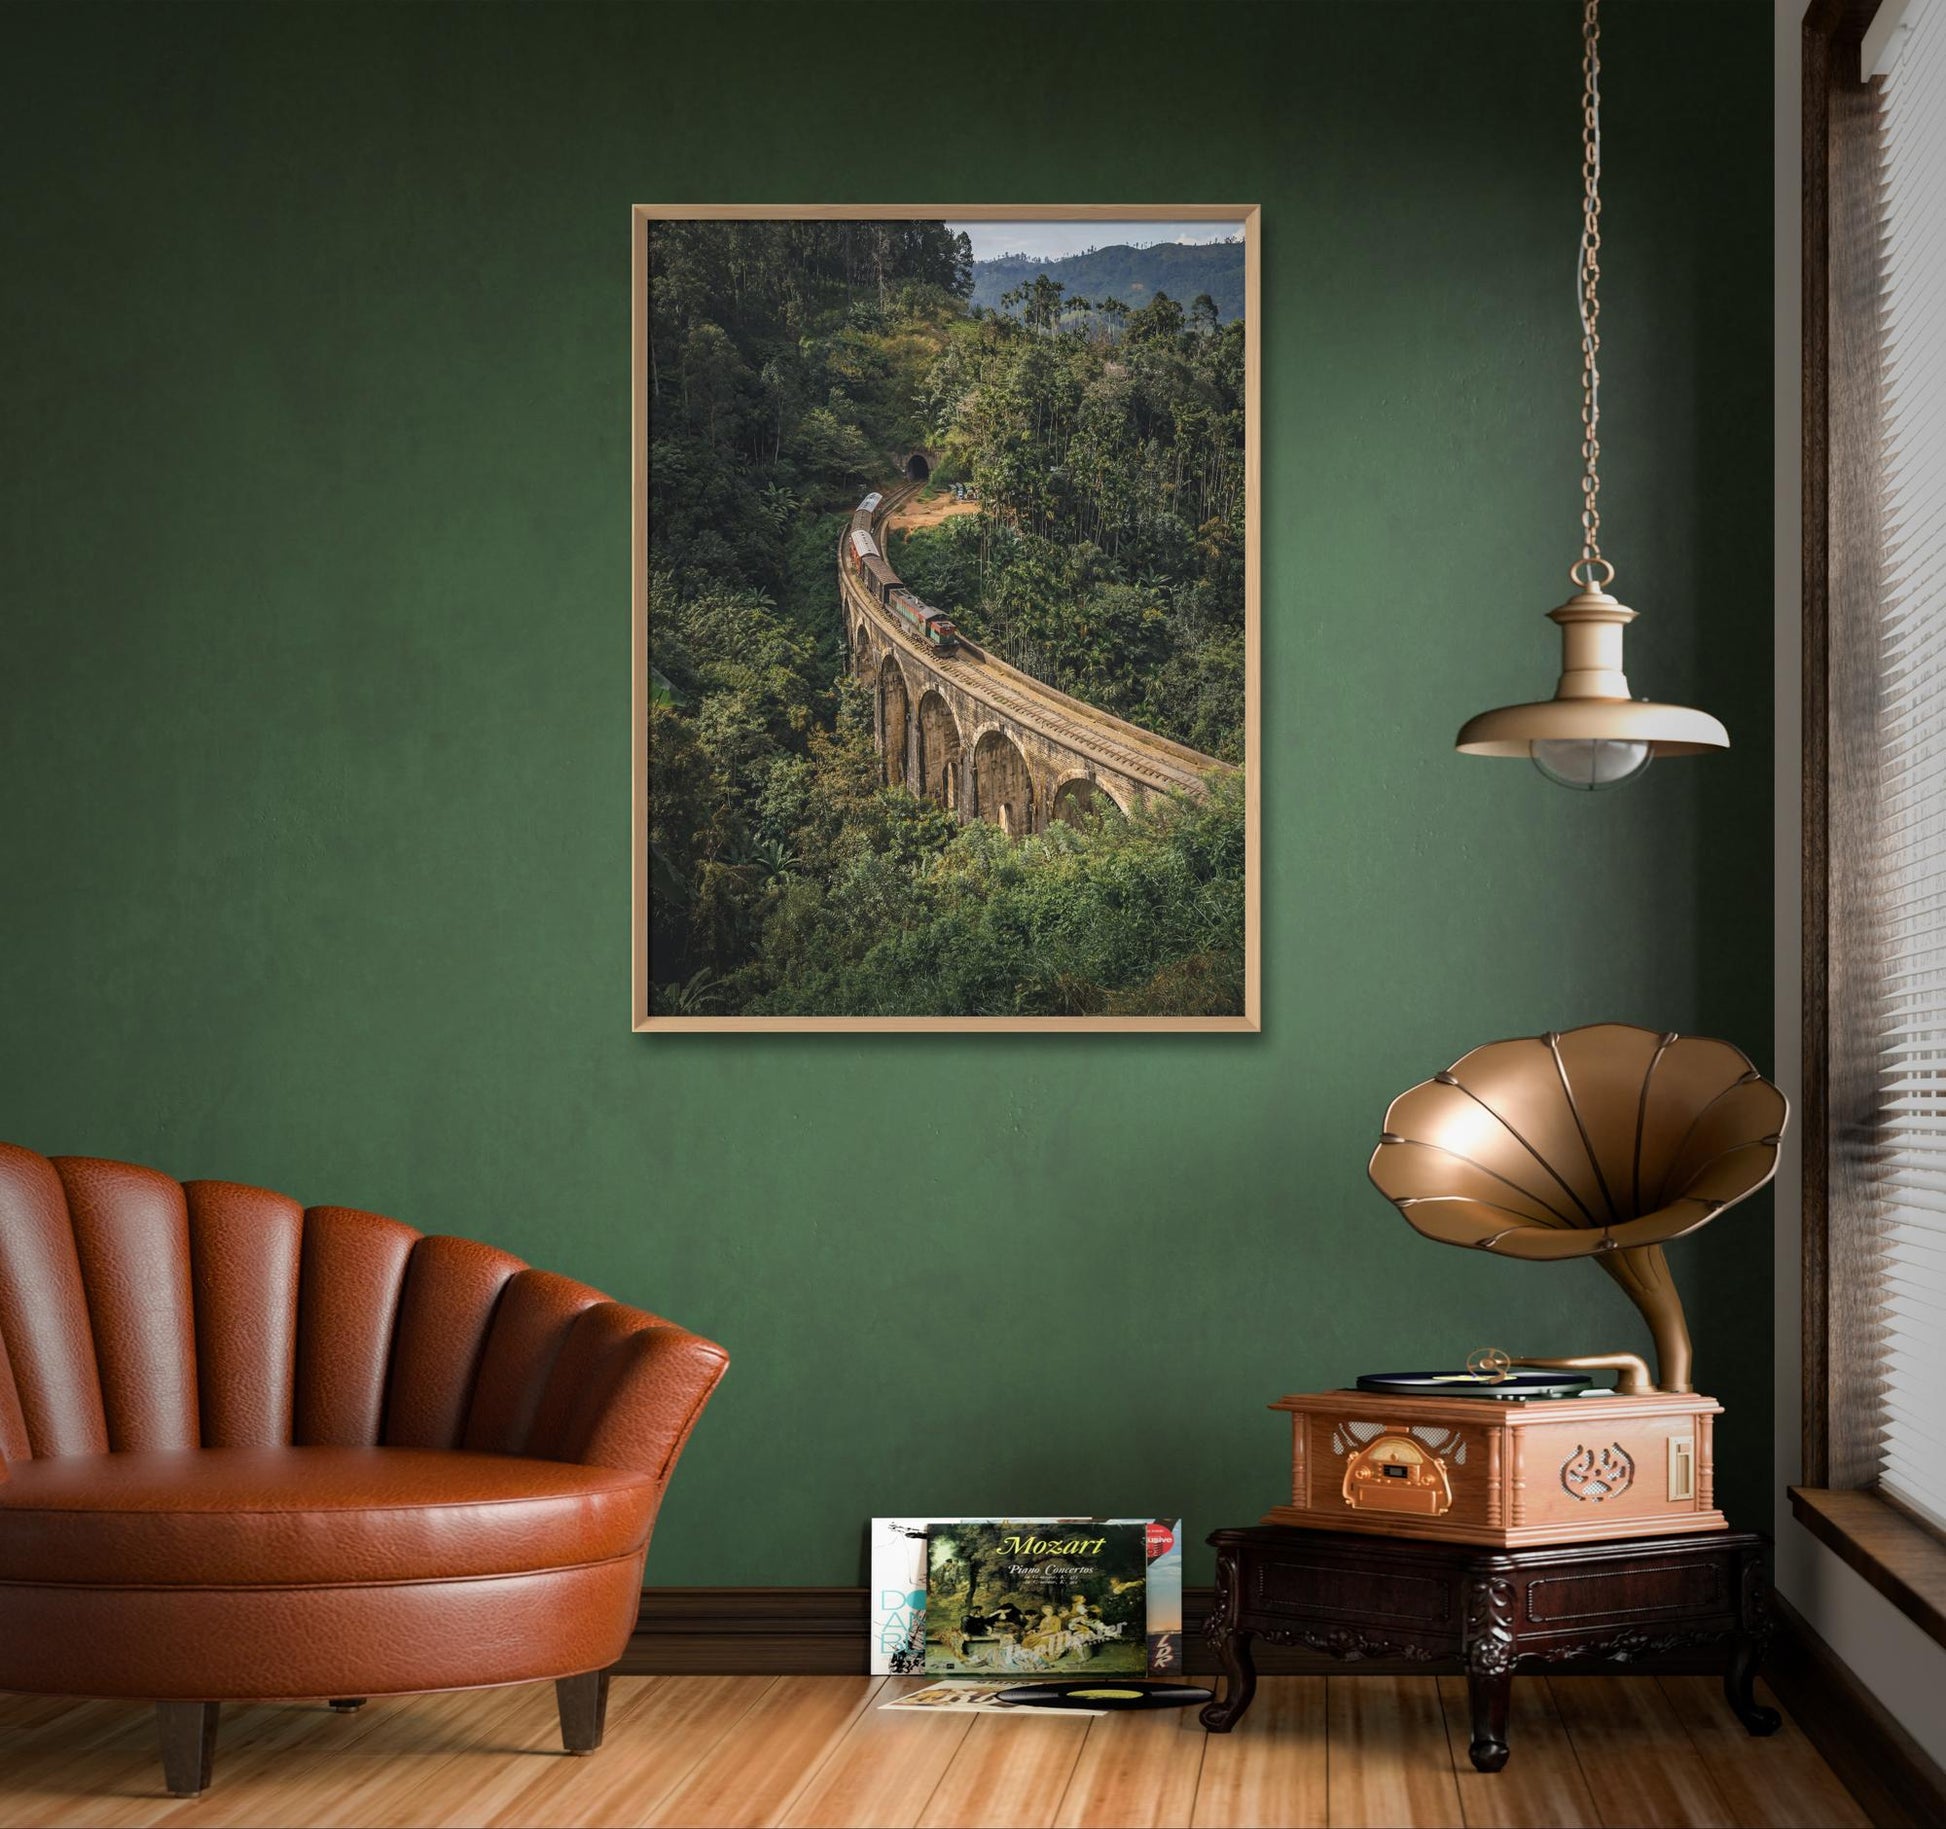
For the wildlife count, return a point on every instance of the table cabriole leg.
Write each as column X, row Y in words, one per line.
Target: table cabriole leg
column 1230, row 1640
column 1488, row 1650
column 1489, row 1696
column 1754, row 1623
column 1240, row 1682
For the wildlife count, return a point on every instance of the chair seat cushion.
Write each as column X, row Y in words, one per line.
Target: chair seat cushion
column 282, row 1517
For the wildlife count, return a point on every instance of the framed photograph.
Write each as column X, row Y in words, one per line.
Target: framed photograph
column 946, row 617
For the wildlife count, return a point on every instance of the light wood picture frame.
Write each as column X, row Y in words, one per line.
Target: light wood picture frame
column 1013, row 750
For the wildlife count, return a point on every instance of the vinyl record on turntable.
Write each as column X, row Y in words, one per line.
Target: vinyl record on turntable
column 1508, row 1387
column 1104, row 1692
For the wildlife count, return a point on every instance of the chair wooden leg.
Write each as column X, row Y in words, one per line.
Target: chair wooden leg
column 346, row 1705
column 583, row 1702
column 187, row 1731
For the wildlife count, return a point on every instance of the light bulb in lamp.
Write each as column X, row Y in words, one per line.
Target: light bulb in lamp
column 1589, row 764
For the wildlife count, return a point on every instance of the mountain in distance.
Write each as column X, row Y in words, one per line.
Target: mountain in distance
column 1133, row 275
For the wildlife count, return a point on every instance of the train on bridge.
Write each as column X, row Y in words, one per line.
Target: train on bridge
column 934, row 627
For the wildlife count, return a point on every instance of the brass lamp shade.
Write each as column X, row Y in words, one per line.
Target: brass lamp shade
column 1669, row 730
column 1603, row 1142
column 1591, row 703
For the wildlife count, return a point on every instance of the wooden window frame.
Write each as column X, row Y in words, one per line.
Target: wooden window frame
column 1838, row 1501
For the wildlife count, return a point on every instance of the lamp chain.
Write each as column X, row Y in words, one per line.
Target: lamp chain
column 1588, row 283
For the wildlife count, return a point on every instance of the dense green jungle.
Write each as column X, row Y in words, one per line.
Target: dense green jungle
column 790, row 362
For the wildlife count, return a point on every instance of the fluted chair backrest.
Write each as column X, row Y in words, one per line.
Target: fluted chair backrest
column 137, row 1312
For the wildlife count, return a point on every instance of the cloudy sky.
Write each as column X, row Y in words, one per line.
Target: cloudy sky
column 1051, row 240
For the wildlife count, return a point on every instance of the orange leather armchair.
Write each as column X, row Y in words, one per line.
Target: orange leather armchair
column 250, row 1450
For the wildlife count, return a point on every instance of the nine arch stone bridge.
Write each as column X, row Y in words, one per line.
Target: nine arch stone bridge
column 970, row 733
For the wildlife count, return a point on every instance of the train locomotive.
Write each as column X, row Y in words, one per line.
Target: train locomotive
column 931, row 625
column 867, row 563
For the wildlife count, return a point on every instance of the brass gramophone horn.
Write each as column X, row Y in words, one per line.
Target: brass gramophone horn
column 1603, row 1142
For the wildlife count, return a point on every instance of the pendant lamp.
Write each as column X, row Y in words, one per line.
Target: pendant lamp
column 1591, row 734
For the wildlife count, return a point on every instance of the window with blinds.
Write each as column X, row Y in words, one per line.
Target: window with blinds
column 1909, row 850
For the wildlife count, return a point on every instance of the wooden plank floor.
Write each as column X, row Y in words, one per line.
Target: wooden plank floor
column 802, row 1751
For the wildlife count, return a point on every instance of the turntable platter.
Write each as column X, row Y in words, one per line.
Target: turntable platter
column 1509, row 1387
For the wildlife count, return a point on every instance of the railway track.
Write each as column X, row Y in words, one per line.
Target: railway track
column 1140, row 754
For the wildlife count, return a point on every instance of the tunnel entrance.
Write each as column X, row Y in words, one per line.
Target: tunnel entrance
column 917, row 470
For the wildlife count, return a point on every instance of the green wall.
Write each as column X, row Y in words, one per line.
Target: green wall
column 314, row 763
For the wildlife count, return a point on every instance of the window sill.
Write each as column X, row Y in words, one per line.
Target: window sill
column 1903, row 1560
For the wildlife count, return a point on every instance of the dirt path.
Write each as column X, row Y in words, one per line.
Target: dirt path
column 927, row 511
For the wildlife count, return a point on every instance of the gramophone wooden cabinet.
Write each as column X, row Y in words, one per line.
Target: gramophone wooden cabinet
column 1472, row 1470
column 1358, row 1596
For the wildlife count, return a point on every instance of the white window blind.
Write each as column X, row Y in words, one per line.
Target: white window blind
column 1910, row 852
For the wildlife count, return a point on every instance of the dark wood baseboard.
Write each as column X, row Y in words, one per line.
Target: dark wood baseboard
column 821, row 1632
column 1896, row 1782
column 792, row 1632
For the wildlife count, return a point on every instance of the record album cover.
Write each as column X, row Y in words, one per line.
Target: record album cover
column 898, row 1590
column 1036, row 1598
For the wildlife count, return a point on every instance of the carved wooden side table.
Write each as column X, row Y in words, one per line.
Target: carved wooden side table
column 1363, row 1596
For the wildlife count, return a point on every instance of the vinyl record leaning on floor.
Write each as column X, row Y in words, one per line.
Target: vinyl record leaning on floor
column 1104, row 1692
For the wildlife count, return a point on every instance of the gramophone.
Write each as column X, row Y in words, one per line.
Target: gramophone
column 1604, row 1142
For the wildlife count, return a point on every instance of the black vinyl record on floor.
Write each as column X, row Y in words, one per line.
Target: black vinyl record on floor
column 1104, row 1692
